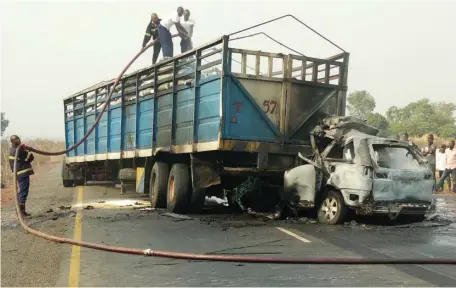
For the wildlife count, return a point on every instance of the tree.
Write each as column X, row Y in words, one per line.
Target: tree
column 422, row 117
column 4, row 123
column 360, row 104
column 379, row 121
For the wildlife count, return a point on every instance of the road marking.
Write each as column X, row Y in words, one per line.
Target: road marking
column 75, row 262
column 293, row 235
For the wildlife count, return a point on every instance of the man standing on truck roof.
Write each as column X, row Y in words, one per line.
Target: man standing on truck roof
column 164, row 28
column 24, row 170
column 152, row 31
column 429, row 153
column 188, row 24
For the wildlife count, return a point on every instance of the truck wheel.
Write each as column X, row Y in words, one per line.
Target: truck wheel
column 197, row 200
column 127, row 175
column 68, row 183
column 178, row 189
column 332, row 209
column 158, row 185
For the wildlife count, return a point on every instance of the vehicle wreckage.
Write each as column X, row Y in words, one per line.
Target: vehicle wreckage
column 353, row 169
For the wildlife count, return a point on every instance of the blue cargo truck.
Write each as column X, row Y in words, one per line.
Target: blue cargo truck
column 202, row 122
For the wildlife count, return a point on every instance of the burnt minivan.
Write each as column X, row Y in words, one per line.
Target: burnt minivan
column 352, row 168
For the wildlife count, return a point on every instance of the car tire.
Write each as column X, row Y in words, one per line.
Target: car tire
column 178, row 194
column 158, row 185
column 332, row 209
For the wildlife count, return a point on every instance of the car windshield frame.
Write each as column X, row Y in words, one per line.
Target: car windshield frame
column 392, row 158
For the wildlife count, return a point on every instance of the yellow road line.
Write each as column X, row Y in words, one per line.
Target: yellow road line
column 73, row 277
column 293, row 235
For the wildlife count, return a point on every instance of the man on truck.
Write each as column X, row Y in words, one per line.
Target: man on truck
column 152, row 31
column 188, row 24
column 164, row 31
column 24, row 170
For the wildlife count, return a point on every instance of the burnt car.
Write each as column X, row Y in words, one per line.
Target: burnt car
column 352, row 168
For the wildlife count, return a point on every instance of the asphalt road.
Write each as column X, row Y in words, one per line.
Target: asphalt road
column 118, row 220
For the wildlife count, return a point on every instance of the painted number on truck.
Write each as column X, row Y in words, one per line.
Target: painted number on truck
column 269, row 106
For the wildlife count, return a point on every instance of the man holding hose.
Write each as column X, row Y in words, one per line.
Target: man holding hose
column 24, row 170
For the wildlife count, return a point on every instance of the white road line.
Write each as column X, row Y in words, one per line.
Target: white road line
column 293, row 235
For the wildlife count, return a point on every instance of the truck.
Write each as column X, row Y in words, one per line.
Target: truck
column 201, row 123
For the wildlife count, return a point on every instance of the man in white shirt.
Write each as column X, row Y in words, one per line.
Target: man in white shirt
column 164, row 28
column 450, row 168
column 440, row 163
column 187, row 24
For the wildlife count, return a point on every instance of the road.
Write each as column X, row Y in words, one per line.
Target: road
column 102, row 215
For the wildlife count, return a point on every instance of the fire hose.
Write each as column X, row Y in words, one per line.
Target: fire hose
column 190, row 256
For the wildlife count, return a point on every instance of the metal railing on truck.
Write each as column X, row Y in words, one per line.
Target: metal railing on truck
column 190, row 69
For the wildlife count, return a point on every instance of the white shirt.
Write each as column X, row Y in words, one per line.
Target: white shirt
column 187, row 24
column 440, row 160
column 451, row 158
column 169, row 21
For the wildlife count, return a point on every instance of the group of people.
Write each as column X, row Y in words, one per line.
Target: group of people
column 443, row 160
column 161, row 29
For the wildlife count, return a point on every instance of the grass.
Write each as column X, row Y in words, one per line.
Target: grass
column 41, row 144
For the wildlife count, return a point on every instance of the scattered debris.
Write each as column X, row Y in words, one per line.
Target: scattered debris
column 101, row 202
column 179, row 217
column 217, row 201
column 138, row 203
column 89, row 207
column 147, row 209
column 65, row 207
column 73, row 214
column 55, row 217
column 50, row 211
column 432, row 216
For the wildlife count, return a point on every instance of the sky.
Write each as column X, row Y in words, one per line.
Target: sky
column 400, row 51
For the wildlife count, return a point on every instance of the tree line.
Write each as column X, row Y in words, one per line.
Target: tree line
column 417, row 118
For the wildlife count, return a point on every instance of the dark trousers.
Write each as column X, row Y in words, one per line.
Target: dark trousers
column 445, row 175
column 186, row 45
column 166, row 41
column 157, row 49
column 24, row 185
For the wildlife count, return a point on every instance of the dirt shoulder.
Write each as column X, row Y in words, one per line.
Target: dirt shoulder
column 28, row 260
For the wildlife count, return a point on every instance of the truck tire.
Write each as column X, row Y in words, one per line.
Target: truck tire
column 68, row 183
column 158, row 185
column 197, row 200
column 178, row 189
column 127, row 175
column 332, row 209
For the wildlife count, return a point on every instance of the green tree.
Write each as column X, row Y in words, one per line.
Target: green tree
column 423, row 117
column 4, row 122
column 360, row 104
column 379, row 121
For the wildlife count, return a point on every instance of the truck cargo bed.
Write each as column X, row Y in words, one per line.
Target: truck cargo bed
column 209, row 99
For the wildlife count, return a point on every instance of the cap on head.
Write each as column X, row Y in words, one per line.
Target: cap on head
column 154, row 17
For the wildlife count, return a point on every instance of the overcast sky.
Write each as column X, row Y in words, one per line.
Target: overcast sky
column 399, row 51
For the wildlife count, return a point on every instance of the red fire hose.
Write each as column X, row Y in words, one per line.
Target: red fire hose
column 191, row 256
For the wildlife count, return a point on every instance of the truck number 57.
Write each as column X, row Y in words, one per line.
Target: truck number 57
column 269, row 106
